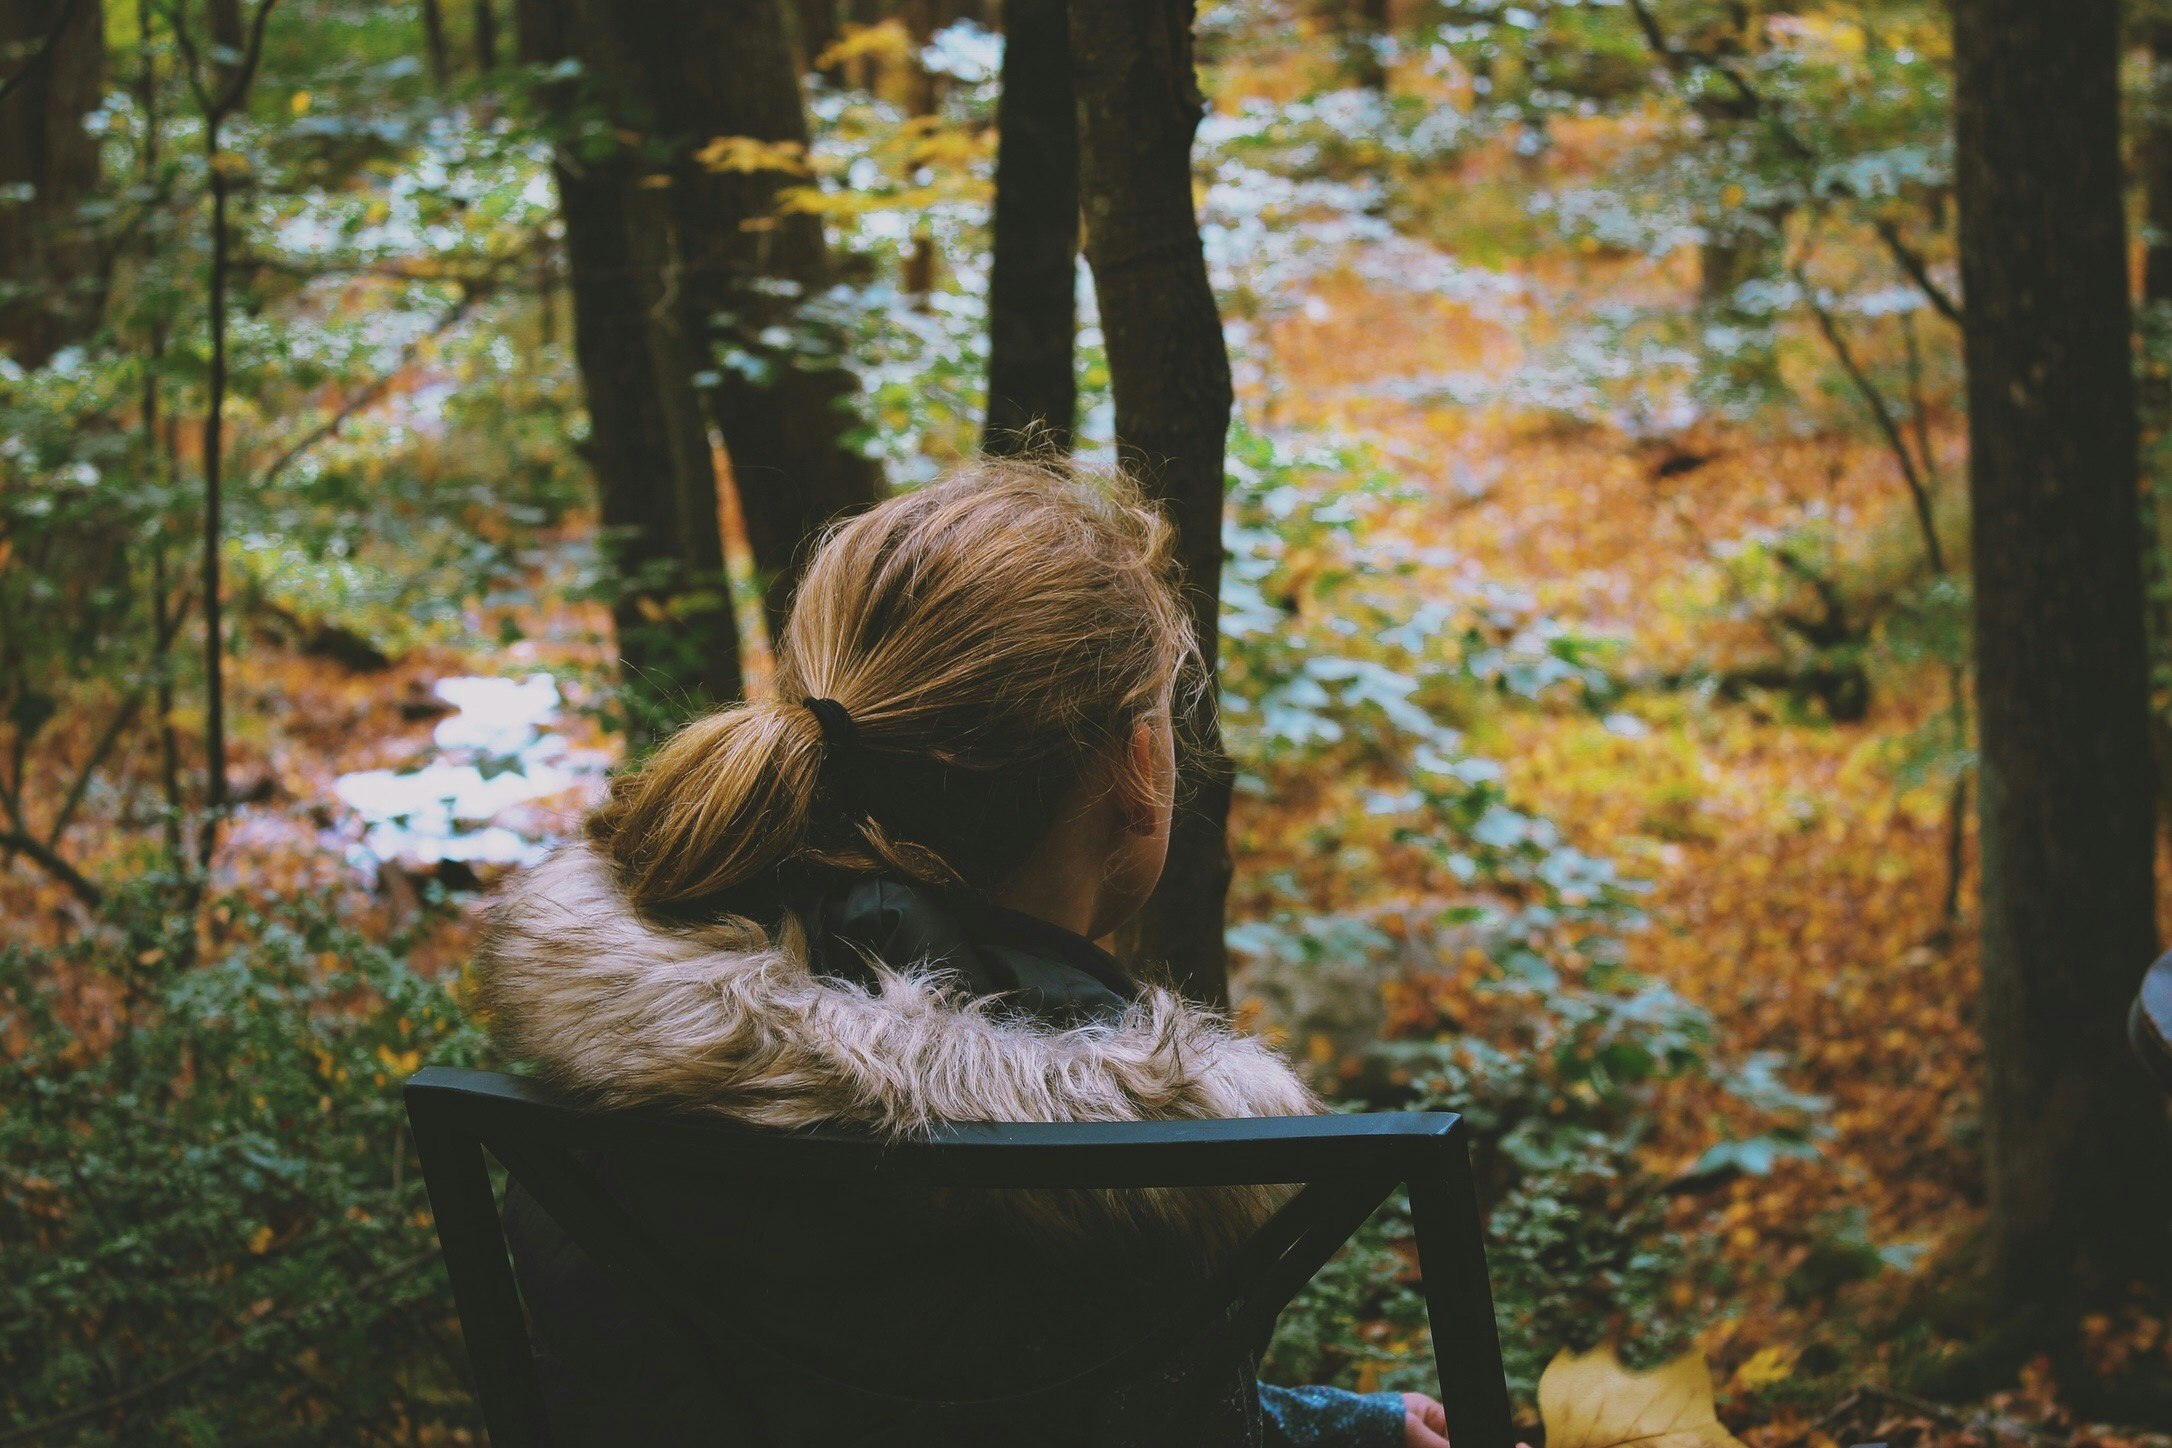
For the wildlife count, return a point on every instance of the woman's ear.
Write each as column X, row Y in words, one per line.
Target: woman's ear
column 1138, row 796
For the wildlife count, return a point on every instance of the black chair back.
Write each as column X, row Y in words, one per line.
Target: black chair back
column 1345, row 1167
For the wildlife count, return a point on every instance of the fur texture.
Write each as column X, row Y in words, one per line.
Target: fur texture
column 627, row 1010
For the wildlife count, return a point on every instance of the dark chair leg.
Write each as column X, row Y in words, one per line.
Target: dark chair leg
column 1459, row 1300
column 491, row 1321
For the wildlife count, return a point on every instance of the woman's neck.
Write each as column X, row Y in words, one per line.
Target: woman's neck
column 1065, row 893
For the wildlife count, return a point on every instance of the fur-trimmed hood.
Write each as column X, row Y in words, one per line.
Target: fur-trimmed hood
column 626, row 1010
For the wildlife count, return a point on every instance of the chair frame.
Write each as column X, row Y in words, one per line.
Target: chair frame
column 1346, row 1167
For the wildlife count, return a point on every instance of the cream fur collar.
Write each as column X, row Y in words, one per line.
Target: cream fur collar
column 627, row 1010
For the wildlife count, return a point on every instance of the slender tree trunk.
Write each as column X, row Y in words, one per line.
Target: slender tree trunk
column 743, row 267
column 52, row 60
column 215, row 789
column 1033, row 281
column 923, row 96
column 235, row 53
column 678, row 641
column 155, row 438
column 433, row 40
column 227, row 39
column 1138, row 107
column 2079, row 1169
column 486, row 36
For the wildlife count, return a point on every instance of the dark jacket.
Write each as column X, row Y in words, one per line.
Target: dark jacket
column 957, row 1294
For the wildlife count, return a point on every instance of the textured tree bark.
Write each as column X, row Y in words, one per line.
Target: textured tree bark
column 2080, row 1173
column 1138, row 107
column 52, row 54
column 1033, row 279
column 678, row 642
column 742, row 267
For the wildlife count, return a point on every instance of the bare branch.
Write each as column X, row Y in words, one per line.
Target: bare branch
column 1874, row 402
column 251, row 54
column 376, row 388
column 177, row 19
column 1911, row 261
column 112, row 735
column 42, row 855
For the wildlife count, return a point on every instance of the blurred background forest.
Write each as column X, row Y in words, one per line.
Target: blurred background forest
column 408, row 409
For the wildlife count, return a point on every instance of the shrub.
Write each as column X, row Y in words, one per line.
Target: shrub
column 214, row 1227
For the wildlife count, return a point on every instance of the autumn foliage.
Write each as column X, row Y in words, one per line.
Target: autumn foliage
column 1594, row 663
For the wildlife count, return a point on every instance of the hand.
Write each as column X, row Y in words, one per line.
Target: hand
column 1425, row 1423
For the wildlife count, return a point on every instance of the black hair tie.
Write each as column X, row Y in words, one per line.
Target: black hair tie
column 839, row 734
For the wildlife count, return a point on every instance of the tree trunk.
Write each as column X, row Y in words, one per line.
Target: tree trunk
column 227, row 39
column 922, row 97
column 2079, row 1169
column 486, row 36
column 2154, row 159
column 1138, row 106
column 1033, row 280
column 817, row 31
column 785, row 427
column 433, row 40
column 52, row 56
column 678, row 642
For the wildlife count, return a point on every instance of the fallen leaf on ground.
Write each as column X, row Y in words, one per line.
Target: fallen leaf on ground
column 1589, row 1400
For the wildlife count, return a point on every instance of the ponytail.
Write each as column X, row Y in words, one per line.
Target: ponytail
column 719, row 804
column 955, row 660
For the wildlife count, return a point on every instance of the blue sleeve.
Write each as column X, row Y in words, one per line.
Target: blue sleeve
column 1330, row 1418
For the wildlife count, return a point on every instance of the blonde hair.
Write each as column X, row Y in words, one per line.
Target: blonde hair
column 990, row 636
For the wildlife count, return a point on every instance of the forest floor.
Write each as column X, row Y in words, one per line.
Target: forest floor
column 1798, row 881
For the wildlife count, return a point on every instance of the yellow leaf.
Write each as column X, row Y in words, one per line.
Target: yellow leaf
column 404, row 1063
column 746, row 153
column 299, row 103
column 887, row 41
column 1765, row 1367
column 1589, row 1400
column 259, row 1241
